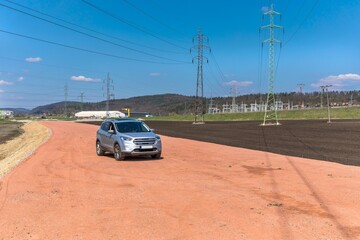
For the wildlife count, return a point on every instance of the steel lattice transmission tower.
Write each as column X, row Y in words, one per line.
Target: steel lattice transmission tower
column 66, row 94
column 301, row 85
column 81, row 101
column 108, row 86
column 270, row 116
column 199, row 100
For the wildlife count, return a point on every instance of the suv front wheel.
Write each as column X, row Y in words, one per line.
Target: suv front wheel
column 156, row 156
column 99, row 150
column 118, row 155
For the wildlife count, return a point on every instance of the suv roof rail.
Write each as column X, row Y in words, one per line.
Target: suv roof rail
column 125, row 119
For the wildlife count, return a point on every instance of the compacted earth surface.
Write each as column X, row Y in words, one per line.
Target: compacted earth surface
column 338, row 141
column 197, row 190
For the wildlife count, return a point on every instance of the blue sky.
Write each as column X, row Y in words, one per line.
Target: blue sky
column 320, row 46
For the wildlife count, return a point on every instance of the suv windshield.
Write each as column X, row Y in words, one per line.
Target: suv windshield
column 126, row 127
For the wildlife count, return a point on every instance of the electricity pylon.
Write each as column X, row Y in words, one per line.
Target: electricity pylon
column 300, row 85
column 199, row 100
column 234, row 90
column 270, row 116
column 66, row 94
column 81, row 101
column 108, row 84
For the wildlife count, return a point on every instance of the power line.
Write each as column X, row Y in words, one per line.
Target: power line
column 302, row 23
column 85, row 50
column 88, row 35
column 222, row 76
column 130, row 24
column 152, row 17
column 94, row 31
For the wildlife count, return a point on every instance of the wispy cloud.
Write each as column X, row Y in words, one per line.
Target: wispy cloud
column 84, row 79
column 338, row 81
column 154, row 74
column 21, row 78
column 239, row 84
column 3, row 82
column 6, row 73
column 33, row 59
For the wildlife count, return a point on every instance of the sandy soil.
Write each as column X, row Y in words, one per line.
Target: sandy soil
column 197, row 191
column 14, row 151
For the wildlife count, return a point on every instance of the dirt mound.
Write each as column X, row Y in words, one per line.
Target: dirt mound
column 18, row 149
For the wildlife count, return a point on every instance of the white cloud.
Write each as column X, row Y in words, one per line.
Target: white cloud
column 21, row 78
column 84, row 79
column 338, row 81
column 237, row 83
column 154, row 74
column 3, row 82
column 33, row 59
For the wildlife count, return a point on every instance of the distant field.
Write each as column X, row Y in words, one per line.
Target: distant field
column 9, row 130
column 320, row 113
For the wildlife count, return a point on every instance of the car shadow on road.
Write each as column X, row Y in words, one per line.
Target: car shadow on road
column 134, row 159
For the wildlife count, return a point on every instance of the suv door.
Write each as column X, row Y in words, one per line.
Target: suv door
column 110, row 137
column 103, row 135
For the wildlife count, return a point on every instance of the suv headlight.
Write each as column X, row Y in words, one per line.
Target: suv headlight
column 158, row 138
column 128, row 139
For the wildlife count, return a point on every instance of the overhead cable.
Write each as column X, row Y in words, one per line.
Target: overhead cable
column 89, row 35
column 87, row 50
column 123, row 20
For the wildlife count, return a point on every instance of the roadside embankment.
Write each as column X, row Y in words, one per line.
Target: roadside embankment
column 18, row 149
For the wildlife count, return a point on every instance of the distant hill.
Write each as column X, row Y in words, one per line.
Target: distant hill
column 170, row 104
column 163, row 104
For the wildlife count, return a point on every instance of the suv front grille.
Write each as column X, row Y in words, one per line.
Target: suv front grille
column 144, row 141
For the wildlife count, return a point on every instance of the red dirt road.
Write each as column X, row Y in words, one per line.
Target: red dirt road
column 197, row 191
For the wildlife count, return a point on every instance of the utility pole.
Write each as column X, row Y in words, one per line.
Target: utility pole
column 326, row 87
column 322, row 96
column 66, row 93
column 199, row 100
column 300, row 85
column 81, row 101
column 108, row 85
column 270, row 116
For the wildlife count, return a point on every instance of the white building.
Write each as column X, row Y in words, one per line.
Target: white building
column 99, row 114
column 6, row 114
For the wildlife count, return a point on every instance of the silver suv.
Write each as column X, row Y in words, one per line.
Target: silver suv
column 127, row 137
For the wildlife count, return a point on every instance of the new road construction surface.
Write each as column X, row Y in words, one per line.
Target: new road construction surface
column 338, row 141
column 197, row 190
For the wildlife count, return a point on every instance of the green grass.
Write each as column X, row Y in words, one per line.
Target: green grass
column 319, row 113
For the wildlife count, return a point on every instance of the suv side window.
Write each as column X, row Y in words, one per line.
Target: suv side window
column 105, row 126
column 111, row 126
